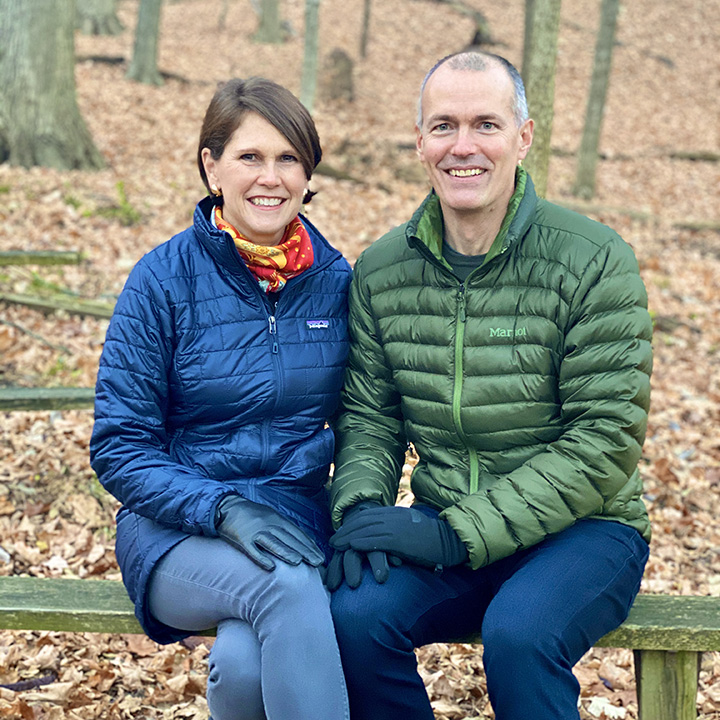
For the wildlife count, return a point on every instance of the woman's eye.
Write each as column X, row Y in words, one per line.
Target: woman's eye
column 249, row 157
column 288, row 158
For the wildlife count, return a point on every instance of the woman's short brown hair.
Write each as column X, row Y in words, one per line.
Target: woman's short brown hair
column 235, row 98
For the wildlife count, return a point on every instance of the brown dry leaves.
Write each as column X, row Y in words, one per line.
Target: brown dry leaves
column 54, row 517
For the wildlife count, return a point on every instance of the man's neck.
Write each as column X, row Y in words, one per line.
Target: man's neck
column 472, row 233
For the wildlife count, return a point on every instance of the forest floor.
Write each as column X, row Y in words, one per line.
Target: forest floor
column 662, row 109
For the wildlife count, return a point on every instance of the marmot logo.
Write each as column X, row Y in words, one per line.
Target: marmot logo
column 506, row 332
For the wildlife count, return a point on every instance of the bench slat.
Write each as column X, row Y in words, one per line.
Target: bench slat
column 656, row 622
column 57, row 398
column 59, row 604
column 669, row 622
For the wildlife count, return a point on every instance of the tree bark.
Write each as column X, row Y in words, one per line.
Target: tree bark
column 539, row 78
column 40, row 122
column 270, row 29
column 308, row 83
column 588, row 153
column 143, row 67
column 97, row 17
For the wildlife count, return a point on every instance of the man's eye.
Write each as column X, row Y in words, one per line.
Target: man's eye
column 442, row 127
column 487, row 126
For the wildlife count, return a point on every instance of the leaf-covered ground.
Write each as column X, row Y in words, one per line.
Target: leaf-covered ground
column 663, row 105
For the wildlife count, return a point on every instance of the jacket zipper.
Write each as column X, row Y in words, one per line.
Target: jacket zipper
column 272, row 326
column 458, row 384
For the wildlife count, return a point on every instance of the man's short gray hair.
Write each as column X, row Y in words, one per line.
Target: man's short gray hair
column 480, row 62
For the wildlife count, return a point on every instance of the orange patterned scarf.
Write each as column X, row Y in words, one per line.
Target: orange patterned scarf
column 272, row 265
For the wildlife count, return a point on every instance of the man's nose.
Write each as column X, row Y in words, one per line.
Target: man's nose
column 464, row 143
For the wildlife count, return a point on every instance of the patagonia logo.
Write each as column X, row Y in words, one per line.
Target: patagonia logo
column 317, row 324
column 508, row 332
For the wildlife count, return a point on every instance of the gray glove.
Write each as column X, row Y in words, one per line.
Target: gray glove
column 262, row 533
column 405, row 532
column 347, row 564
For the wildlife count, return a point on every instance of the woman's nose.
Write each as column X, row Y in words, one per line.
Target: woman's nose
column 268, row 175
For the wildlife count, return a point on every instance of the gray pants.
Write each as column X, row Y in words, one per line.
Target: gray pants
column 275, row 656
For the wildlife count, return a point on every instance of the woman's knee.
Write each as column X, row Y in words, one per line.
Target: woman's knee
column 234, row 689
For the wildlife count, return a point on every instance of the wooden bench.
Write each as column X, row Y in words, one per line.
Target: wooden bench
column 57, row 398
column 667, row 634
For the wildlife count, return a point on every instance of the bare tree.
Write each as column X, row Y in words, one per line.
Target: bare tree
column 588, row 154
column 539, row 77
column 222, row 17
column 365, row 28
column 143, row 67
column 40, row 122
column 97, row 17
column 270, row 29
column 308, row 83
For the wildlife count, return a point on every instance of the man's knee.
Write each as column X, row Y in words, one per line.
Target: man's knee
column 363, row 617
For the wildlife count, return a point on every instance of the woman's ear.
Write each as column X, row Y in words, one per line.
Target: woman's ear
column 209, row 165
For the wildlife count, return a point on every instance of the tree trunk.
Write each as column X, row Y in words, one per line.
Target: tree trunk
column 308, row 83
column 588, row 154
column 97, row 17
column 539, row 77
column 527, row 38
column 365, row 29
column 40, row 122
column 270, row 29
column 222, row 17
column 143, row 67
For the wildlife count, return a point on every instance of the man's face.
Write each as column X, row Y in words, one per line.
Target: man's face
column 469, row 141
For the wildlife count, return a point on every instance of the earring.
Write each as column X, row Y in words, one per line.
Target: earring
column 214, row 190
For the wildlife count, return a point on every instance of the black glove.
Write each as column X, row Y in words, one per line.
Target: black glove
column 405, row 532
column 348, row 563
column 261, row 533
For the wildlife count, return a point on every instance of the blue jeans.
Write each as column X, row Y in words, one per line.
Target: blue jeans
column 539, row 611
column 275, row 656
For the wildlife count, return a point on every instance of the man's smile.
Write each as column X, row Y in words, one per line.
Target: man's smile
column 466, row 172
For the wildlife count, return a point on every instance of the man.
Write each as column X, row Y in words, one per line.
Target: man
column 508, row 340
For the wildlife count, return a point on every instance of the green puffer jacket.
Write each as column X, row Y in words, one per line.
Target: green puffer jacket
column 524, row 390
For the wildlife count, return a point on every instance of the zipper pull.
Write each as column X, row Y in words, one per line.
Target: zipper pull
column 461, row 300
column 273, row 332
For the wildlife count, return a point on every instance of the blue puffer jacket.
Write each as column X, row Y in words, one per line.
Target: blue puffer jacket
column 203, row 391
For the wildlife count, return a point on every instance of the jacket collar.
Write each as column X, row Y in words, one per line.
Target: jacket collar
column 425, row 228
column 222, row 248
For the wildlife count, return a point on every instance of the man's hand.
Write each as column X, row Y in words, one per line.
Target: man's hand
column 404, row 532
column 262, row 533
column 348, row 563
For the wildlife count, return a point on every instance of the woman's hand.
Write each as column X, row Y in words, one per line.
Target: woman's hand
column 262, row 533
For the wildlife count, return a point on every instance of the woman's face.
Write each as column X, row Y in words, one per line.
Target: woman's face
column 262, row 180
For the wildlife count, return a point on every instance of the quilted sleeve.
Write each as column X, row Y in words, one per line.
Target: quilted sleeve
column 604, row 392
column 129, row 444
column 371, row 441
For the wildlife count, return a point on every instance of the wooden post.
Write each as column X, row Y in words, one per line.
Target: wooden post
column 667, row 684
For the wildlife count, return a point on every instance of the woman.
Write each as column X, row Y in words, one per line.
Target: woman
column 222, row 363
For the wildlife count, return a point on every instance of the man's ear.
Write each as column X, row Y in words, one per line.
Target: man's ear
column 419, row 142
column 526, row 138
